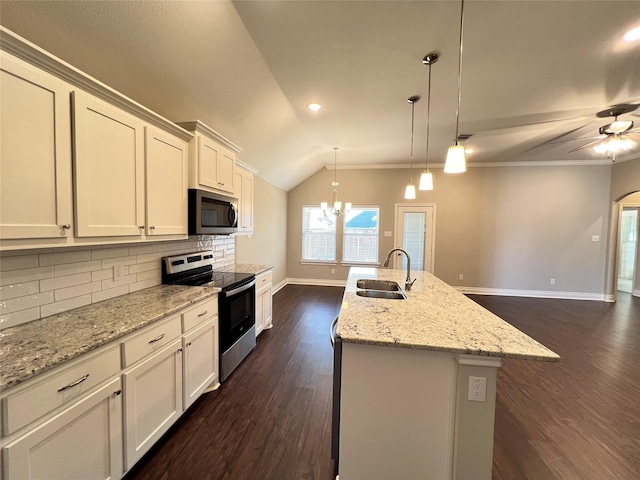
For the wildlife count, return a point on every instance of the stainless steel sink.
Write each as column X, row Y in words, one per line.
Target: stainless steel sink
column 370, row 284
column 399, row 295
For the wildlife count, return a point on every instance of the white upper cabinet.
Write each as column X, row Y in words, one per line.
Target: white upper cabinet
column 211, row 159
column 109, row 169
column 244, row 192
column 35, row 153
column 166, row 175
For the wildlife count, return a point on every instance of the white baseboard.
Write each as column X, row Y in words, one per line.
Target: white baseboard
column 278, row 286
column 535, row 294
column 316, row 281
column 635, row 292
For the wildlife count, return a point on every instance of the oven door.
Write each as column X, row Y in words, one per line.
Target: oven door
column 237, row 313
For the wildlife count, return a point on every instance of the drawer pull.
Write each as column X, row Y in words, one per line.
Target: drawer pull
column 179, row 350
column 117, row 392
column 203, row 313
column 73, row 384
column 157, row 339
column 66, row 226
column 189, row 344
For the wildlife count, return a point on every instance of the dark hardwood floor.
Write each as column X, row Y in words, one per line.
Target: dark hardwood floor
column 579, row 419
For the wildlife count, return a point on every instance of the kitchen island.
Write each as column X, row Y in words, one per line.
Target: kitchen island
column 406, row 375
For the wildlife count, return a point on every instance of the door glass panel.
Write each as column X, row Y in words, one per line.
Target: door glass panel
column 413, row 238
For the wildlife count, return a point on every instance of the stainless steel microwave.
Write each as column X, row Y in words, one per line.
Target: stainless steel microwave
column 211, row 213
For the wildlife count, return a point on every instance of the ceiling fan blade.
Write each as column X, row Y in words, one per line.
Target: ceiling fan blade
column 597, row 137
column 587, row 145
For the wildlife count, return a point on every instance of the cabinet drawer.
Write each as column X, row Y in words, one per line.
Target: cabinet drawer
column 201, row 313
column 263, row 280
column 44, row 396
column 150, row 340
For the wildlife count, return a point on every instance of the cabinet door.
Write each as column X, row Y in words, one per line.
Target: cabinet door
column 166, row 177
column 152, row 400
column 226, row 170
column 200, row 360
column 247, row 202
column 109, row 169
column 84, row 441
column 267, row 304
column 35, row 153
column 209, row 156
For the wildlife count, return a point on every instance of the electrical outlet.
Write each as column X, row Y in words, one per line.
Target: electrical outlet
column 552, row 281
column 595, row 238
column 333, row 270
column 461, row 277
column 477, row 389
column 118, row 273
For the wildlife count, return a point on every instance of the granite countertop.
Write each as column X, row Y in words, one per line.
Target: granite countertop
column 434, row 317
column 35, row 347
column 254, row 268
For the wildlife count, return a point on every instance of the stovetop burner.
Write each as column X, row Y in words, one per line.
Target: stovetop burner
column 196, row 269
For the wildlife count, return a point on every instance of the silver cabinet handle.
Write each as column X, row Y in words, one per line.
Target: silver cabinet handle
column 203, row 313
column 73, row 384
column 157, row 339
column 66, row 226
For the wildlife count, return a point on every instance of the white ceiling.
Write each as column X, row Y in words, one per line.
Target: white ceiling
column 532, row 72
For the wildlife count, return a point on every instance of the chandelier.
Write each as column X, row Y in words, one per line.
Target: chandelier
column 336, row 205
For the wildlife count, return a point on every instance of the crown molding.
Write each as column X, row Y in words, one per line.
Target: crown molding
column 246, row 166
column 541, row 163
column 36, row 56
column 203, row 128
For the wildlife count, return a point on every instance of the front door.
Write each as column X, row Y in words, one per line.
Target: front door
column 415, row 233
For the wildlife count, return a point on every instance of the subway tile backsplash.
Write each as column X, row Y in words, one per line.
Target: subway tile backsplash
column 38, row 283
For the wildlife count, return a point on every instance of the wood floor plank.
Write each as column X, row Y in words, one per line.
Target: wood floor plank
column 579, row 419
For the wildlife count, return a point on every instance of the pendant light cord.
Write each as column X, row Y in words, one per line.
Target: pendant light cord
column 413, row 106
column 459, row 70
column 426, row 163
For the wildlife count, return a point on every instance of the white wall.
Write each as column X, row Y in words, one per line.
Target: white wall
column 268, row 244
column 508, row 228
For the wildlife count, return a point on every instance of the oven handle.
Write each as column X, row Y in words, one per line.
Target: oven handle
column 241, row 289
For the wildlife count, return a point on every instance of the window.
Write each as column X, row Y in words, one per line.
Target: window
column 318, row 235
column 361, row 235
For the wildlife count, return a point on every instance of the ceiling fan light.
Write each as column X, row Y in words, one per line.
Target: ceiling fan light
column 601, row 148
column 426, row 181
column 626, row 144
column 410, row 192
column 455, row 162
column 619, row 126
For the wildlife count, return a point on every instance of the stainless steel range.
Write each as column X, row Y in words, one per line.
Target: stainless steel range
column 236, row 303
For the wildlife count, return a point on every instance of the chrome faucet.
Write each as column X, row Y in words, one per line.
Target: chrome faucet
column 408, row 282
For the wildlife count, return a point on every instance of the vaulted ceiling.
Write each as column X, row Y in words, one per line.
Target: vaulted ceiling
column 533, row 73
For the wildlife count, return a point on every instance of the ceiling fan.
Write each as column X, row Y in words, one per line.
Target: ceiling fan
column 615, row 137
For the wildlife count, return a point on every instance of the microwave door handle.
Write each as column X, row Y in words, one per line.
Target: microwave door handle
column 233, row 216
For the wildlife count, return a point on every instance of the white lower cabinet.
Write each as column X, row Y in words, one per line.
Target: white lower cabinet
column 152, row 400
column 83, row 441
column 200, row 360
column 97, row 415
column 264, row 300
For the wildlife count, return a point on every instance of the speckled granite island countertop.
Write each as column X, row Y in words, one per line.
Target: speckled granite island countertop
column 434, row 317
column 254, row 268
column 35, row 347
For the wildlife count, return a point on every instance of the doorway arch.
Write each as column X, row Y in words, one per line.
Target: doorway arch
column 629, row 199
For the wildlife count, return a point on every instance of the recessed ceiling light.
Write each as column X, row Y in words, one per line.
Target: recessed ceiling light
column 314, row 107
column 632, row 35
column 468, row 150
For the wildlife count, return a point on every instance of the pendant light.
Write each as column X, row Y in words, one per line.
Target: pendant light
column 410, row 191
column 456, row 162
column 426, row 179
column 336, row 206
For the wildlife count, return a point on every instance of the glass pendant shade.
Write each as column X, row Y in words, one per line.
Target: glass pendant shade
column 323, row 206
column 426, row 181
column 347, row 207
column 455, row 162
column 337, row 205
column 410, row 193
